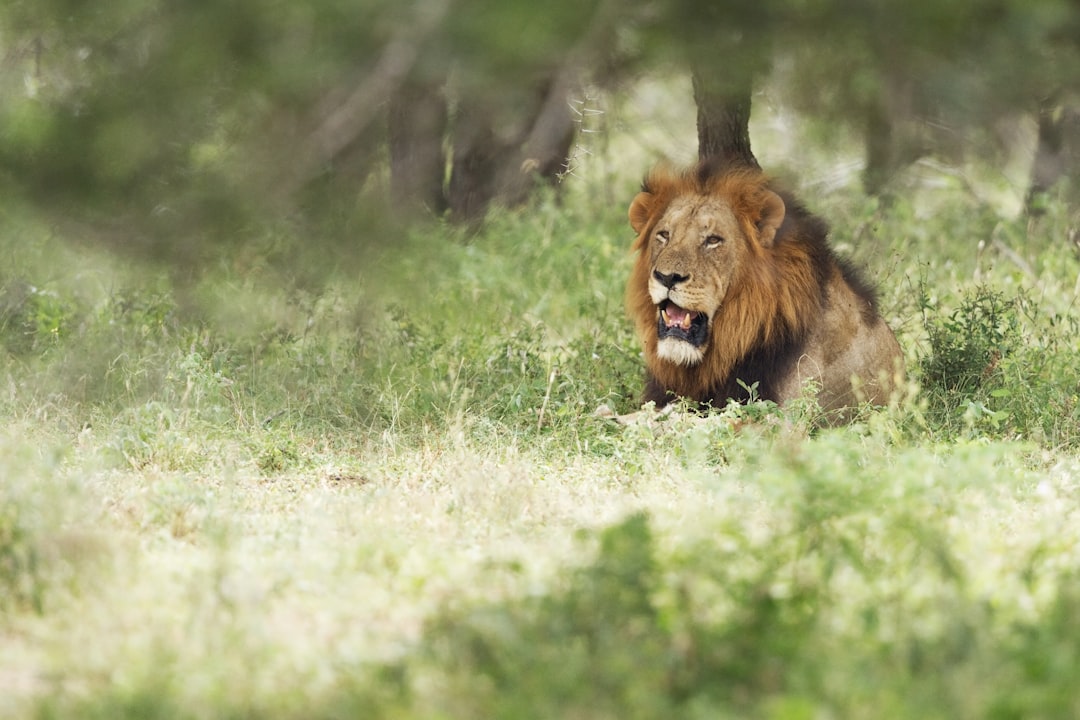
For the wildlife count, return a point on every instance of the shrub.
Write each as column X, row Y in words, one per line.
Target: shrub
column 968, row 345
column 1004, row 367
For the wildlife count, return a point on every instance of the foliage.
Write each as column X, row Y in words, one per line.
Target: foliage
column 174, row 131
column 980, row 375
column 966, row 348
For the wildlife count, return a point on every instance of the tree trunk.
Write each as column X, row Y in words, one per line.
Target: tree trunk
column 475, row 163
column 1057, row 154
column 895, row 129
column 499, row 156
column 417, row 121
column 502, row 148
column 543, row 155
column 723, row 116
column 881, row 161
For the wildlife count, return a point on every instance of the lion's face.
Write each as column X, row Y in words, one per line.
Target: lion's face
column 696, row 249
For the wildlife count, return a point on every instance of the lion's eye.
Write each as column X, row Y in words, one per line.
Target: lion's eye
column 713, row 241
column 663, row 236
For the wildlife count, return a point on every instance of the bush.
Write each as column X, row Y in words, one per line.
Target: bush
column 968, row 345
column 1002, row 366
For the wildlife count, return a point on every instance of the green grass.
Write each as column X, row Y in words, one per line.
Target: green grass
column 297, row 487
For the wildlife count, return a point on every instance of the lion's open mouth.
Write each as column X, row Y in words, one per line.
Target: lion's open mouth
column 682, row 324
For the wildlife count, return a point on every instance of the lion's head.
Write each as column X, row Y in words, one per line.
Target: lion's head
column 696, row 240
column 735, row 285
column 705, row 288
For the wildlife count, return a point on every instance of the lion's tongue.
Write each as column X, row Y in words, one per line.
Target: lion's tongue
column 676, row 316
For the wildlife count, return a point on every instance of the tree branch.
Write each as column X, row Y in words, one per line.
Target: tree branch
column 336, row 130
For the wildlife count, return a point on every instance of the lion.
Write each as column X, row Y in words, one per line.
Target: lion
column 735, row 293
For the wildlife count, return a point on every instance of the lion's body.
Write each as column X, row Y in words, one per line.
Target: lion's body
column 735, row 285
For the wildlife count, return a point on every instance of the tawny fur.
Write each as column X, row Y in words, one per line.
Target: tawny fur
column 785, row 309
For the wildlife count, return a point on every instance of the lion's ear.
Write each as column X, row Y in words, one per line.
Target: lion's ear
column 640, row 210
column 772, row 216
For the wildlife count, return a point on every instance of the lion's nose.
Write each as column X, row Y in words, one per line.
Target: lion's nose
column 669, row 281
